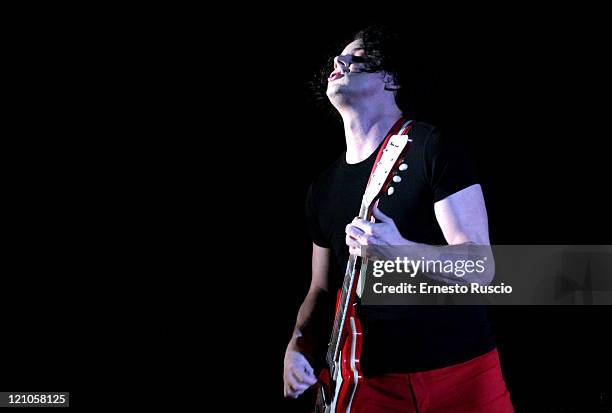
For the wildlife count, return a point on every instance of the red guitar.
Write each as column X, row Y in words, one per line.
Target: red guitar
column 340, row 380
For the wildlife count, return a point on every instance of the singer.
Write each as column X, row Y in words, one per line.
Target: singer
column 414, row 359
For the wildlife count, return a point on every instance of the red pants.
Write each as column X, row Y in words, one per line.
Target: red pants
column 474, row 386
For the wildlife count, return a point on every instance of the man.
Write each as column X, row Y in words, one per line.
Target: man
column 415, row 358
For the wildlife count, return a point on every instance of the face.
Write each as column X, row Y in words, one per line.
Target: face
column 348, row 78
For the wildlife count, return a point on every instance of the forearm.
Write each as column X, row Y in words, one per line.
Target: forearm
column 313, row 323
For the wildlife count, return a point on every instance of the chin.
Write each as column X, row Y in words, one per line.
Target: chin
column 334, row 89
column 336, row 97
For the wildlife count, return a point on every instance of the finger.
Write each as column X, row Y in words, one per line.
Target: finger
column 379, row 215
column 290, row 387
column 311, row 380
column 359, row 240
column 290, row 393
column 364, row 225
column 306, row 367
column 355, row 251
column 298, row 376
column 304, row 377
column 351, row 242
column 353, row 231
column 298, row 393
column 296, row 389
column 309, row 377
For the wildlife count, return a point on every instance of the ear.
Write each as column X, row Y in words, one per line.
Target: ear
column 390, row 83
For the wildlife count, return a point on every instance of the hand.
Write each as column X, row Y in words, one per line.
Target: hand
column 298, row 375
column 361, row 232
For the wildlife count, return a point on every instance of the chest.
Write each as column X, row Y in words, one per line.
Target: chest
column 410, row 205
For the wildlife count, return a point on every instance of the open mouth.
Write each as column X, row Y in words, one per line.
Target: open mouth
column 335, row 76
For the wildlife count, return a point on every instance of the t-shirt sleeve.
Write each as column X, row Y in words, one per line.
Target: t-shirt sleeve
column 449, row 167
column 314, row 227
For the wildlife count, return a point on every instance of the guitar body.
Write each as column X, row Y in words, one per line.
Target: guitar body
column 337, row 393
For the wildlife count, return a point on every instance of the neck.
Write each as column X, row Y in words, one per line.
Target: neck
column 365, row 128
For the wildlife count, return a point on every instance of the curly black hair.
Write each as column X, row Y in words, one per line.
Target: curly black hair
column 385, row 51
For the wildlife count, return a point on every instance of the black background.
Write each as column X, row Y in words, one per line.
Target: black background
column 152, row 144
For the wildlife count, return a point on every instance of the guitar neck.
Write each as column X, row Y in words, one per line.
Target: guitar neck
column 351, row 276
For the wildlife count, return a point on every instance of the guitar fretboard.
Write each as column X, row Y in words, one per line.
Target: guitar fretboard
column 353, row 268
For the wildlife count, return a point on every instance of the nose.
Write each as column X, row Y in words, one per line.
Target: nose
column 342, row 63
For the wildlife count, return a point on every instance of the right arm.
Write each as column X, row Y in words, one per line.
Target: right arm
column 310, row 326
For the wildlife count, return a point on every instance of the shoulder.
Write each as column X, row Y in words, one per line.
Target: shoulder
column 433, row 140
column 422, row 134
column 423, row 130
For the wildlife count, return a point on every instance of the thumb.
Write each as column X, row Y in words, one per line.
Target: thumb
column 378, row 214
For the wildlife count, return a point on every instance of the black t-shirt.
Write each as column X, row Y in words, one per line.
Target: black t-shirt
column 403, row 338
